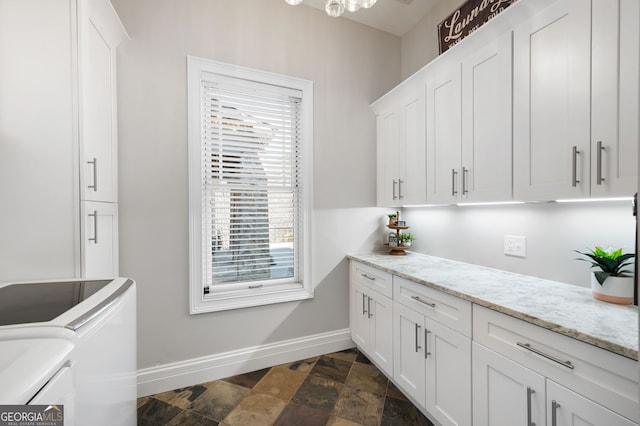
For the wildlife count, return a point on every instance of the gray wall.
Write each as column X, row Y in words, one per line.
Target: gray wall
column 420, row 45
column 351, row 65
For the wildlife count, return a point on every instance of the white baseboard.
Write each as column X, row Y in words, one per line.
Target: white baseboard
column 180, row 374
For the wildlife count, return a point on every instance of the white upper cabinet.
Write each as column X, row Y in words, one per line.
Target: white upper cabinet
column 444, row 132
column 539, row 104
column 614, row 109
column 469, row 124
column 401, row 146
column 100, row 32
column 388, row 131
column 551, row 109
column 486, row 121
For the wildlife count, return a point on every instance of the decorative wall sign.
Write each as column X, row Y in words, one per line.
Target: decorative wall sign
column 466, row 19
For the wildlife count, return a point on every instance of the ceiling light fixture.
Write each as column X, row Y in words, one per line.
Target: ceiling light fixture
column 336, row 8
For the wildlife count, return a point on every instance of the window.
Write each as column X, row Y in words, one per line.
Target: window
column 250, row 171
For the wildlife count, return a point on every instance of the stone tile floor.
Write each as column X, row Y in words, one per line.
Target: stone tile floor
column 338, row 389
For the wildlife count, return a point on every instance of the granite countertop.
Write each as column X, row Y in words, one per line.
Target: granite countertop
column 563, row 308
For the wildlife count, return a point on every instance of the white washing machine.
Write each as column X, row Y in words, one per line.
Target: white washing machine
column 78, row 332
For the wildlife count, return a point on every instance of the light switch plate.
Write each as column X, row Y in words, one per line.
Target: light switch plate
column 515, row 246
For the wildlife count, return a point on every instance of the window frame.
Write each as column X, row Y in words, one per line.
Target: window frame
column 273, row 293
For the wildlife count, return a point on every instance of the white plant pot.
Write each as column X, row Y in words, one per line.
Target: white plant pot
column 617, row 290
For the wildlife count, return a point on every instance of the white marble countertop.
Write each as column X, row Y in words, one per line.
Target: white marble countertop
column 563, row 308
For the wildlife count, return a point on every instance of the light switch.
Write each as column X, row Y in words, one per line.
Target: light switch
column 515, row 246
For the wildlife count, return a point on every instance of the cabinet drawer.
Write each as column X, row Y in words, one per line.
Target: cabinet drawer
column 602, row 376
column 372, row 278
column 448, row 310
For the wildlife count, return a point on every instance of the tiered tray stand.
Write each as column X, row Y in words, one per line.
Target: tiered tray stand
column 397, row 251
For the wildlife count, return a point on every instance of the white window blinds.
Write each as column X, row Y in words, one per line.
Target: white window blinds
column 251, row 184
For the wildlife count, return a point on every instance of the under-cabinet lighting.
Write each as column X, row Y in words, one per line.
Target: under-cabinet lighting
column 587, row 200
column 493, row 203
column 426, row 205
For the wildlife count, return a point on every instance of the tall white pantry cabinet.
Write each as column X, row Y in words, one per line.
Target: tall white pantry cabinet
column 58, row 139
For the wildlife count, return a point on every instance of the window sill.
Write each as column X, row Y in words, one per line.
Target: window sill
column 247, row 299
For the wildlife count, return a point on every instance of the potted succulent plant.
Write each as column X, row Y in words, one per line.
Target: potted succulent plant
column 393, row 217
column 613, row 282
column 406, row 238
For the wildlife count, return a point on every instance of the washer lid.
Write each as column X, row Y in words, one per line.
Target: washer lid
column 39, row 302
column 26, row 365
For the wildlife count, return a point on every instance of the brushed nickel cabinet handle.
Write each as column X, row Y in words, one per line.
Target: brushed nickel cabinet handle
column 417, row 343
column 424, row 302
column 368, row 277
column 395, row 182
column 426, row 344
column 369, row 307
column 528, row 347
column 599, row 149
column 94, row 162
column 554, row 414
column 95, row 226
column 400, row 182
column 465, row 173
column 529, row 393
column 364, row 310
column 574, row 166
column 453, row 182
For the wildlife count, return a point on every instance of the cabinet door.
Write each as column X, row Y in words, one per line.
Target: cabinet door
column 504, row 393
column 359, row 315
column 448, row 375
column 443, row 133
column 614, row 110
column 388, row 133
column 380, row 336
column 567, row 408
column 551, row 103
column 408, row 351
column 486, row 122
column 412, row 184
column 99, row 239
column 100, row 32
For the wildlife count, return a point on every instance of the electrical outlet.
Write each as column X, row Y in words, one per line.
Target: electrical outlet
column 515, row 246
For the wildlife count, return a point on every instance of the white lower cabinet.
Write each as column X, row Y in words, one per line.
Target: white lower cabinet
column 409, row 367
column 99, row 239
column 371, row 321
column 506, row 393
column 567, row 408
column 525, row 374
column 432, row 364
column 512, row 373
